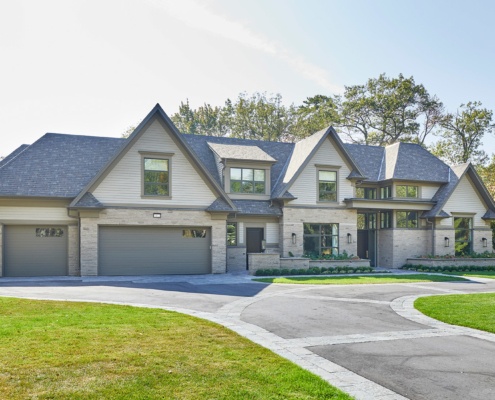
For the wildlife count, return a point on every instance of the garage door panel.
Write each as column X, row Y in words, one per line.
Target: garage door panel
column 152, row 250
column 35, row 251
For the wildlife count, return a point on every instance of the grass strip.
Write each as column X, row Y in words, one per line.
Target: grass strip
column 66, row 350
column 360, row 280
column 474, row 274
column 471, row 310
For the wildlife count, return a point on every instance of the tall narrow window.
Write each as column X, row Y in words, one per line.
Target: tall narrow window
column 231, row 233
column 463, row 235
column 386, row 219
column 386, row 192
column 156, row 177
column 327, row 186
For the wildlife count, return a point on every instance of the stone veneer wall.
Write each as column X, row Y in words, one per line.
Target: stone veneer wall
column 236, row 259
column 293, row 219
column 132, row 217
column 385, row 248
column 339, row 263
column 409, row 243
column 73, row 250
column 258, row 261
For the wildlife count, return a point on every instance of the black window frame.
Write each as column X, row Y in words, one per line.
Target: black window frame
column 368, row 193
column 463, row 237
column 386, row 192
column 408, row 219
column 322, row 235
column 407, row 191
column 386, row 220
column 231, row 243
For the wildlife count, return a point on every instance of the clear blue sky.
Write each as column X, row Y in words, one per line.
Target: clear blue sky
column 95, row 67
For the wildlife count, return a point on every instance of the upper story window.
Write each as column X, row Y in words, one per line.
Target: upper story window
column 386, row 219
column 365, row 193
column 407, row 219
column 247, row 180
column 156, row 177
column 327, row 185
column 386, row 192
column 406, row 191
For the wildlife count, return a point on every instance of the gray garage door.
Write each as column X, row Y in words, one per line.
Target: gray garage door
column 39, row 250
column 153, row 250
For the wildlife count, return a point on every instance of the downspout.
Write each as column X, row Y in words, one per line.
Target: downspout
column 432, row 237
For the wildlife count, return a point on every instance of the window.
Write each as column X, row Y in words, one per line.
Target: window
column 365, row 193
column 327, row 186
column 194, row 233
column 156, row 177
column 463, row 235
column 321, row 239
column 247, row 180
column 386, row 192
column 407, row 219
column 386, row 219
column 49, row 232
column 366, row 221
column 406, row 191
column 231, row 233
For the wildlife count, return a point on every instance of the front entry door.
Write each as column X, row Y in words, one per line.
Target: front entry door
column 366, row 242
column 254, row 237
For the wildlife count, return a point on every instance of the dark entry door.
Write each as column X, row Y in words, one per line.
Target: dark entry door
column 366, row 242
column 254, row 236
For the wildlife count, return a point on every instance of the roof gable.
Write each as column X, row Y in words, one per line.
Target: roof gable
column 157, row 115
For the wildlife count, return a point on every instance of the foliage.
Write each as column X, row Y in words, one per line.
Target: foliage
column 356, row 280
column 388, row 110
column 313, row 255
column 66, row 350
column 473, row 254
column 317, row 271
column 448, row 268
column 471, row 310
column 462, row 134
column 316, row 113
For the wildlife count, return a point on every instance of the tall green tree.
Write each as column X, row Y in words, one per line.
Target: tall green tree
column 388, row 110
column 462, row 134
column 315, row 114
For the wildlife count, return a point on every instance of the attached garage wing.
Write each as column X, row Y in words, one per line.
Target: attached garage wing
column 35, row 250
column 153, row 250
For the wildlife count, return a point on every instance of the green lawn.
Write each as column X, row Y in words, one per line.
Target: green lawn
column 471, row 310
column 65, row 350
column 356, row 280
column 475, row 274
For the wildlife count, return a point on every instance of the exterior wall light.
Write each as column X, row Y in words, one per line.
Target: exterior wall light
column 485, row 242
column 349, row 238
column 447, row 241
column 263, row 245
column 294, row 238
column 157, row 215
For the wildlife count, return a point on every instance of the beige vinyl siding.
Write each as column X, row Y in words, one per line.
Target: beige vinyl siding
column 305, row 188
column 272, row 232
column 427, row 192
column 123, row 184
column 12, row 213
column 465, row 199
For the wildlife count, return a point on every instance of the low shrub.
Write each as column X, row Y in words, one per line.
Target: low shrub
column 318, row 271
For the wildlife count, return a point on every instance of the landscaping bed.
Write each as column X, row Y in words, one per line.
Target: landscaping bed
column 317, row 271
column 448, row 268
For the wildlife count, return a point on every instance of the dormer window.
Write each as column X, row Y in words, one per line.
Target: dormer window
column 406, row 191
column 247, row 180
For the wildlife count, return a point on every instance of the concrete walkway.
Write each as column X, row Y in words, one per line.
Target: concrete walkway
column 367, row 340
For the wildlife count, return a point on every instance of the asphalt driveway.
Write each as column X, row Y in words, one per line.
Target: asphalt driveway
column 366, row 339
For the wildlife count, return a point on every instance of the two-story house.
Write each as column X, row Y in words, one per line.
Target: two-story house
column 162, row 202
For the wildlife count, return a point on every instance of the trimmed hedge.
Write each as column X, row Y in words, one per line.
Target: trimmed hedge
column 317, row 271
column 452, row 268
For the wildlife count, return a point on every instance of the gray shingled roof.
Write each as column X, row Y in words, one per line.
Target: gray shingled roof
column 257, row 207
column 88, row 201
column 220, row 205
column 238, row 152
column 200, row 145
column 404, row 161
column 56, row 165
column 13, row 155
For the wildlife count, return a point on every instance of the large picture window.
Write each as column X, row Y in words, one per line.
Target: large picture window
column 327, row 186
column 463, row 235
column 156, row 177
column 407, row 219
column 247, row 180
column 321, row 239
